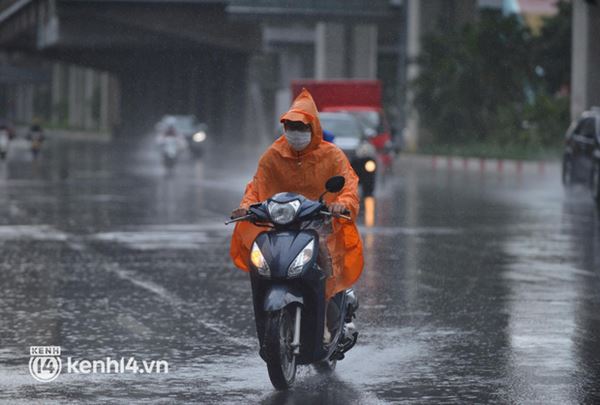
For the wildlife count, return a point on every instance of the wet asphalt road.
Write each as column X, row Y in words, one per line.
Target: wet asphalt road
column 478, row 288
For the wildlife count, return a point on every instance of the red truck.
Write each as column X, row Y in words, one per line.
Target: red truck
column 361, row 98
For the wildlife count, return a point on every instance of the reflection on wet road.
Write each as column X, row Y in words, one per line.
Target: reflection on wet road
column 478, row 287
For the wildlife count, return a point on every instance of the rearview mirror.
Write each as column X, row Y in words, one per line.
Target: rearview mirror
column 335, row 184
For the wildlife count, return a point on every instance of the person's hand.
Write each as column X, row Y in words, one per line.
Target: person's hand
column 337, row 208
column 238, row 212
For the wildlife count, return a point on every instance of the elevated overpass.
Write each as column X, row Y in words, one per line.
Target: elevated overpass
column 195, row 56
column 176, row 56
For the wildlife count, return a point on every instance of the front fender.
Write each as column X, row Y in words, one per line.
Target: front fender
column 279, row 296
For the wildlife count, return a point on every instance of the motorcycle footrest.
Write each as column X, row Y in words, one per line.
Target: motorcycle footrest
column 343, row 347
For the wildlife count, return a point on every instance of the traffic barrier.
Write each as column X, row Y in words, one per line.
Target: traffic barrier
column 486, row 165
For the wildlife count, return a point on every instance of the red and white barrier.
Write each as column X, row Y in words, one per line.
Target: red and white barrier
column 486, row 165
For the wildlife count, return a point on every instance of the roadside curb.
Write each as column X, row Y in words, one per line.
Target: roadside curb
column 70, row 135
column 465, row 163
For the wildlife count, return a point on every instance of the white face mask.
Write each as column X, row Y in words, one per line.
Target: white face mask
column 298, row 140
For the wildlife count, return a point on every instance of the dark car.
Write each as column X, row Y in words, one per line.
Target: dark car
column 349, row 136
column 581, row 160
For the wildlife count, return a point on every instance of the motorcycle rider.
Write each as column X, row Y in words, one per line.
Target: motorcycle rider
column 170, row 141
column 36, row 136
column 300, row 161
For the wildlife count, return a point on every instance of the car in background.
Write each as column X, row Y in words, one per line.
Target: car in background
column 581, row 158
column 349, row 136
column 377, row 131
column 195, row 133
column 361, row 98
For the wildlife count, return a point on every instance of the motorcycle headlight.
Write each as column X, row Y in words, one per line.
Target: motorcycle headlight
column 370, row 166
column 258, row 260
column 199, row 136
column 283, row 213
column 303, row 257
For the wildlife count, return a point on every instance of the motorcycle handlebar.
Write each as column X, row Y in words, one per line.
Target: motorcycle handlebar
column 345, row 215
column 238, row 219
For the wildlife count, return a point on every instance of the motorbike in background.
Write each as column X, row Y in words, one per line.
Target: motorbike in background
column 5, row 137
column 36, row 138
column 170, row 144
column 288, row 288
column 194, row 132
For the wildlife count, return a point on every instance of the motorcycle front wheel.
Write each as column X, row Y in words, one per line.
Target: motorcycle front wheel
column 279, row 354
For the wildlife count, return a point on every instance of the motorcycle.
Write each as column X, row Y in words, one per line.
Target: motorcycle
column 170, row 147
column 36, row 137
column 288, row 288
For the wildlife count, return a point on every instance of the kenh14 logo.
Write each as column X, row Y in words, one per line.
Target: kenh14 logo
column 45, row 364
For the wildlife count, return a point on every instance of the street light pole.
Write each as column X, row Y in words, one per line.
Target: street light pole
column 401, row 85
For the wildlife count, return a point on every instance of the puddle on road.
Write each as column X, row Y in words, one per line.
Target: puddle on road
column 167, row 236
column 408, row 231
column 31, row 232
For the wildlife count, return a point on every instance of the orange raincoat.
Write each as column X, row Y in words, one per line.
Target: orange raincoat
column 282, row 169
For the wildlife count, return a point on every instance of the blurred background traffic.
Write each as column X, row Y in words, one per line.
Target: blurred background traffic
column 474, row 77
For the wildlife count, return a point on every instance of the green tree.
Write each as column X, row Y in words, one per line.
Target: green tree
column 552, row 49
column 474, row 79
column 493, row 82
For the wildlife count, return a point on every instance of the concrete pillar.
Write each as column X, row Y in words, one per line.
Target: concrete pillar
column 72, row 98
column 330, row 51
column 25, row 97
column 413, row 48
column 18, row 102
column 114, row 103
column 364, row 52
column 585, row 57
column 57, row 95
column 29, row 98
column 89, row 86
column 290, row 66
column 104, row 121
column 12, row 103
column 76, row 97
column 22, row 103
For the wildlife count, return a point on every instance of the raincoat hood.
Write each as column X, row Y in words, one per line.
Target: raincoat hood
column 303, row 109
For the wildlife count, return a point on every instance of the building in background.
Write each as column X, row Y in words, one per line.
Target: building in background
column 62, row 96
column 531, row 12
column 220, row 60
column 534, row 12
column 330, row 39
column 120, row 65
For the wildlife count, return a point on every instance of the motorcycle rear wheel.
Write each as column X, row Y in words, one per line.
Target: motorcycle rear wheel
column 279, row 354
